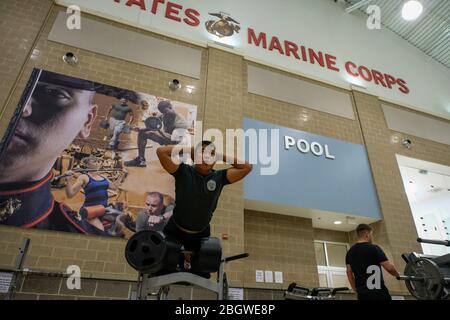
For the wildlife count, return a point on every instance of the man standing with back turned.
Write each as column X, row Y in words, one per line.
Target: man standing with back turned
column 360, row 258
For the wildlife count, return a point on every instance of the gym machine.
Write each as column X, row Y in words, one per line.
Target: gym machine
column 158, row 262
column 296, row 292
column 427, row 277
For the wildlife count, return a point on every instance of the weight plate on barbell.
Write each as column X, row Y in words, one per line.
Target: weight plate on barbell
column 153, row 123
column 431, row 287
column 145, row 251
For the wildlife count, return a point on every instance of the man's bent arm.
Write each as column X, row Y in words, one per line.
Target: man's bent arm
column 389, row 267
column 165, row 157
column 131, row 118
column 72, row 188
column 239, row 170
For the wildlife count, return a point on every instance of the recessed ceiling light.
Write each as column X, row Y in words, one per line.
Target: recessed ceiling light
column 190, row 89
column 337, row 222
column 412, row 10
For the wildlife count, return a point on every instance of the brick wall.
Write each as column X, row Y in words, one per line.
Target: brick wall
column 275, row 242
column 332, row 235
column 20, row 25
column 396, row 233
column 298, row 117
column 97, row 256
column 224, row 110
column 280, row 243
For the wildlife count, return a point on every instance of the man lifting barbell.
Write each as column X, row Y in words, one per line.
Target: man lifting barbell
column 95, row 187
column 197, row 191
column 360, row 258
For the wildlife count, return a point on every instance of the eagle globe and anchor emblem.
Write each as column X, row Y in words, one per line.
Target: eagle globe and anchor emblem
column 226, row 26
column 8, row 207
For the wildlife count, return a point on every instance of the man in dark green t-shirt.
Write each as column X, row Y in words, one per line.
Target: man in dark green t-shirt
column 118, row 114
column 197, row 191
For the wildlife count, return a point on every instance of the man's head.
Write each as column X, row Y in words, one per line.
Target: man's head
column 205, row 156
column 123, row 101
column 92, row 162
column 164, row 106
column 154, row 203
column 59, row 110
column 364, row 232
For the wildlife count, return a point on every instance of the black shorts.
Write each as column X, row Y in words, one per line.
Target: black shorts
column 190, row 241
column 375, row 295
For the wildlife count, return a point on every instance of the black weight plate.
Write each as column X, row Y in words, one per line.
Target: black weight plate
column 104, row 124
column 431, row 287
column 153, row 123
column 145, row 251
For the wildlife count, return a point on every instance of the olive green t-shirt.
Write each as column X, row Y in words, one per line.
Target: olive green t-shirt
column 196, row 196
column 119, row 111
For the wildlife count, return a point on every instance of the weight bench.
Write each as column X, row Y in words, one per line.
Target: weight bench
column 158, row 262
column 147, row 283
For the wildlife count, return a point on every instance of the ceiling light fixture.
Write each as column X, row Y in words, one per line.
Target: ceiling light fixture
column 190, row 89
column 337, row 222
column 411, row 10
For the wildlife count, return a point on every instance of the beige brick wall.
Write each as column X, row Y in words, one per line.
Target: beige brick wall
column 331, row 235
column 396, row 233
column 98, row 257
column 275, row 242
column 224, row 110
column 293, row 116
column 20, row 25
column 280, row 243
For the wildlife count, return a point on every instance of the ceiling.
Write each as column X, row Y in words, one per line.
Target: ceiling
column 320, row 219
column 430, row 32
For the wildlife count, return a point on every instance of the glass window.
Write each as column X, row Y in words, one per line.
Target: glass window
column 323, row 281
column 336, row 255
column 339, row 280
column 320, row 254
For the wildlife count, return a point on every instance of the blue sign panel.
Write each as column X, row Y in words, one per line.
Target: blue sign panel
column 311, row 171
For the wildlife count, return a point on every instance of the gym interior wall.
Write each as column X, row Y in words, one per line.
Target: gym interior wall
column 279, row 238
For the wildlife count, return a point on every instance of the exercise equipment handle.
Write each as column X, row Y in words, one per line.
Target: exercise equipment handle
column 439, row 242
column 236, row 257
column 338, row 290
column 322, row 289
column 410, row 278
column 84, row 171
